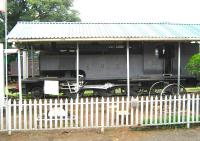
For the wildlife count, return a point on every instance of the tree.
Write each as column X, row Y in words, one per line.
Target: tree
column 38, row 10
column 193, row 66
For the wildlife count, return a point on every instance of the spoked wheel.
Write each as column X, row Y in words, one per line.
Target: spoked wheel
column 172, row 89
column 157, row 88
column 37, row 92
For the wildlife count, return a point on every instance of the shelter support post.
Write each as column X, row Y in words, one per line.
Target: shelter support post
column 179, row 67
column 2, row 85
column 32, row 62
column 25, row 64
column 19, row 75
column 128, row 74
column 77, row 67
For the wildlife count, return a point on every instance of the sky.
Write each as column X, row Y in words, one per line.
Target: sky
column 176, row 11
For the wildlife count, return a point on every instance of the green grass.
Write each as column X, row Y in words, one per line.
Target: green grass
column 193, row 89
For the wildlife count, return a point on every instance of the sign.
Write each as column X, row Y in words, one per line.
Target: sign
column 51, row 87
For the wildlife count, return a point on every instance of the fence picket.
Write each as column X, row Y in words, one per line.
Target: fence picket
column 61, row 115
column 86, row 111
column 71, row 112
column 112, row 118
column 102, row 113
column 183, row 110
column 147, row 110
column 170, row 109
column 40, row 113
column 14, row 114
column 197, row 108
column 97, row 111
column 174, row 110
column 107, row 112
column 50, row 116
column 66, row 113
column 161, row 109
column 165, row 110
column 25, row 118
column 141, row 112
column 2, row 118
column 81, row 124
column 193, row 102
column 19, row 113
column 136, row 111
column 188, row 111
column 127, row 110
column 156, row 107
column 91, row 113
column 35, row 114
column 45, row 114
column 179, row 109
column 122, row 112
column 77, row 110
column 132, row 115
column 151, row 111
column 117, row 115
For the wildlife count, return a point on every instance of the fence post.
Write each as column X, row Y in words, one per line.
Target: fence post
column 188, row 111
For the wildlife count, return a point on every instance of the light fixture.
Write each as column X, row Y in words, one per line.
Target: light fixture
column 156, row 52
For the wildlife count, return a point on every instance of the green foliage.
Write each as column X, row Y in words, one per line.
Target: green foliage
column 38, row 10
column 193, row 66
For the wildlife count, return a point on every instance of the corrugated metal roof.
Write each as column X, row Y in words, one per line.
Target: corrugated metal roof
column 75, row 31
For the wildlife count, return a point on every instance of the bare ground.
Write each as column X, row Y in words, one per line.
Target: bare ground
column 116, row 134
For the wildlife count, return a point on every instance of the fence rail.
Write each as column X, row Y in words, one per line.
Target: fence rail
column 46, row 114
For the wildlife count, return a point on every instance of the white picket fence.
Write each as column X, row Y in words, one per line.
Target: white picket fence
column 47, row 114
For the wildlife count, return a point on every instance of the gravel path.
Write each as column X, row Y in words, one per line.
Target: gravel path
column 120, row 134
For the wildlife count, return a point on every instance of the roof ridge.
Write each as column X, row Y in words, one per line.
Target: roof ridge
column 37, row 22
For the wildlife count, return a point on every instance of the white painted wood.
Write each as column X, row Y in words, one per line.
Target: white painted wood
column 66, row 113
column 91, row 113
column 179, row 109
column 132, row 115
column 156, row 108
column 20, row 114
column 127, row 110
column 55, row 116
column 14, row 115
column 97, row 111
column 161, row 109
column 122, row 115
column 40, row 114
column 45, row 114
column 35, row 114
column 102, row 112
column 30, row 114
column 71, row 112
column 174, row 110
column 117, row 115
column 2, row 118
column 136, row 111
column 183, row 110
column 112, row 116
column 77, row 107
column 147, row 110
column 2, row 81
column 86, row 113
column 170, row 109
column 193, row 103
column 165, row 110
column 25, row 114
column 107, row 112
column 188, row 111
column 151, row 111
column 61, row 117
column 141, row 112
column 9, row 117
column 50, row 109
column 197, row 108
column 81, row 124
column 19, row 75
column 77, row 110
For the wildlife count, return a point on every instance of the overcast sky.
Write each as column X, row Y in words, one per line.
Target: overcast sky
column 177, row 11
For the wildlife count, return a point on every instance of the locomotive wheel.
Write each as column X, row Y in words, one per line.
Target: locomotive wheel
column 172, row 89
column 37, row 92
column 157, row 87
